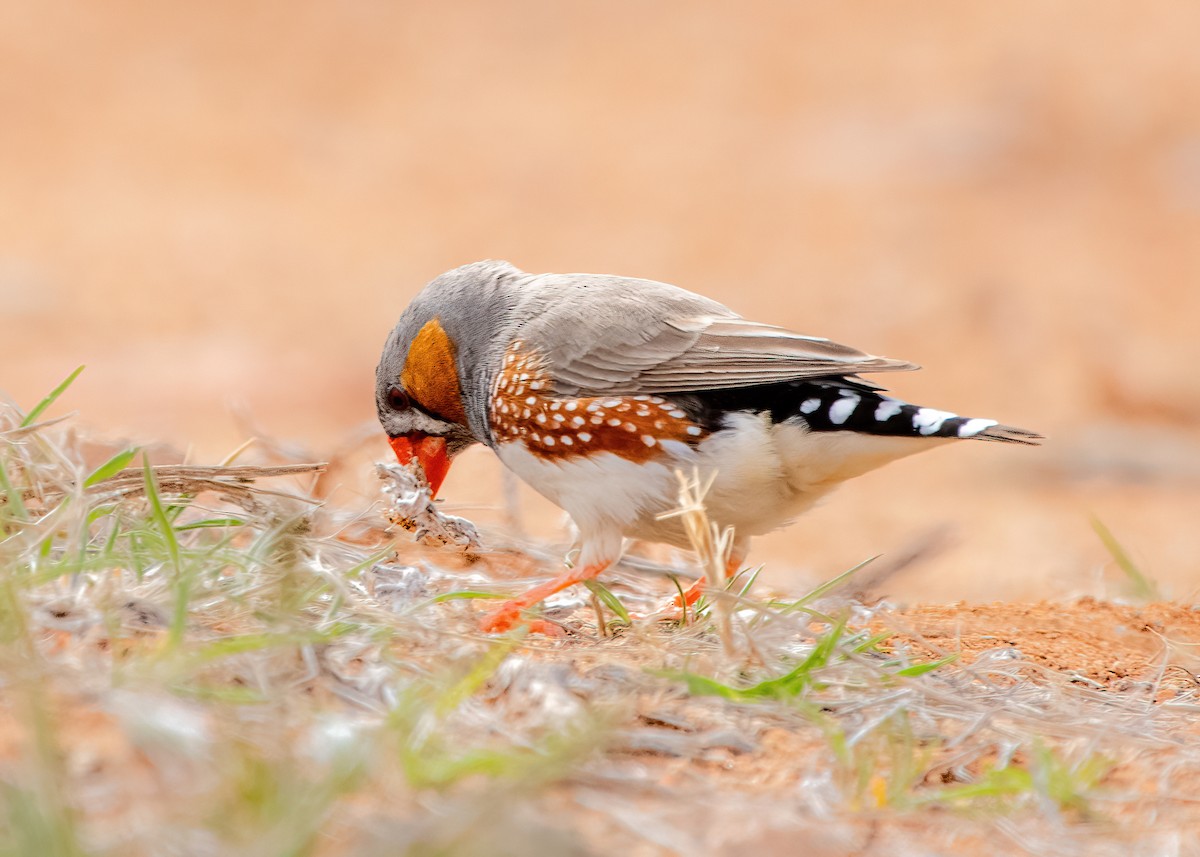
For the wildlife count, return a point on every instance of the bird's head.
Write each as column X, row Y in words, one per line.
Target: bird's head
column 432, row 381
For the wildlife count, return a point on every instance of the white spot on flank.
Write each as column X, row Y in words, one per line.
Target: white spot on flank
column 841, row 410
column 887, row 409
column 694, row 431
column 929, row 420
column 577, row 421
column 567, row 441
column 532, row 400
column 504, row 407
column 614, row 422
column 525, row 413
column 592, row 408
column 678, row 414
column 973, row 427
column 570, row 406
column 598, row 419
column 809, row 405
column 584, row 436
column 558, row 418
column 555, row 406
column 641, row 398
column 648, row 440
column 541, row 418
column 549, row 441
column 611, row 403
column 524, row 376
column 630, row 427
column 536, row 385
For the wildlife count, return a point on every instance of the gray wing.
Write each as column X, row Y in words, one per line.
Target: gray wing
column 611, row 335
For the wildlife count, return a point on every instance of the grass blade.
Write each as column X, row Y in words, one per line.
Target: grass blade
column 211, row 522
column 927, row 666
column 111, row 467
column 32, row 416
column 1141, row 585
column 463, row 595
column 831, row 584
column 182, row 589
column 13, row 496
column 610, row 601
column 683, row 604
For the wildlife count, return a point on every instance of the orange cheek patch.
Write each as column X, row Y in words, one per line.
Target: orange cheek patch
column 430, row 375
column 633, row 427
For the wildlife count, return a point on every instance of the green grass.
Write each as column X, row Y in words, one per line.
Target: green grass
column 1140, row 585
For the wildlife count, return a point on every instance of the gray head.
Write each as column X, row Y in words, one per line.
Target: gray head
column 433, row 377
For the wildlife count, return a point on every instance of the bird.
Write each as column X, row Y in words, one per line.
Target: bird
column 596, row 390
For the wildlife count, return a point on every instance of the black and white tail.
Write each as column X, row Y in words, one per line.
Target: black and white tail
column 841, row 406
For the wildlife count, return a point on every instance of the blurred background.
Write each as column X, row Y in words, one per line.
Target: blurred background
column 222, row 208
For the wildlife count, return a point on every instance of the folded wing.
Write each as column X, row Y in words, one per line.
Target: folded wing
column 639, row 336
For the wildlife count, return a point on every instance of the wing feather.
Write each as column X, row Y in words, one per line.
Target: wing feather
column 611, row 335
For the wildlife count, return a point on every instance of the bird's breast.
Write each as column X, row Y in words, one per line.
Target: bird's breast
column 639, row 429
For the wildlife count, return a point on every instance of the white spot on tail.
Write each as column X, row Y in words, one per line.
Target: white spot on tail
column 887, row 409
column 809, row 405
column 841, row 410
column 929, row 420
column 973, row 427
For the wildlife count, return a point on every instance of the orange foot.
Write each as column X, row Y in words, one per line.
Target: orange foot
column 508, row 616
column 692, row 595
column 697, row 589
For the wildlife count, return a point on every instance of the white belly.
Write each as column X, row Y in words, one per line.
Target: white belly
column 769, row 474
column 766, row 476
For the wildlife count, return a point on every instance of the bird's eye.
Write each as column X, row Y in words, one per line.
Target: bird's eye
column 397, row 399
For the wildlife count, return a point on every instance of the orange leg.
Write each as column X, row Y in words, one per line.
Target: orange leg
column 697, row 589
column 508, row 614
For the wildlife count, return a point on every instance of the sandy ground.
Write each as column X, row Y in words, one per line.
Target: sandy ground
column 219, row 207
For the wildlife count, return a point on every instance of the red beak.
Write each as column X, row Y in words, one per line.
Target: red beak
column 429, row 451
